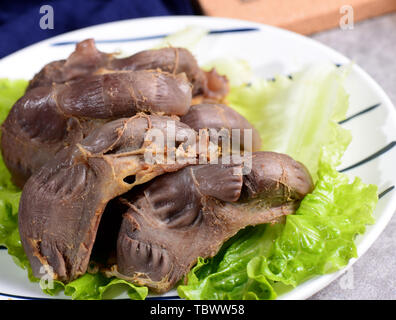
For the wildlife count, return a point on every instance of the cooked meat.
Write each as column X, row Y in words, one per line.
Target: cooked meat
column 216, row 86
column 62, row 203
column 94, row 129
column 172, row 60
column 190, row 213
column 47, row 119
column 219, row 116
column 86, row 60
column 210, row 85
column 117, row 94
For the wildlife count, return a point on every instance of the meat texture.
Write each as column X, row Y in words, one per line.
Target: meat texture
column 48, row 119
column 172, row 60
column 190, row 213
column 87, row 59
column 61, row 204
column 210, row 84
column 216, row 117
column 88, row 131
column 66, row 95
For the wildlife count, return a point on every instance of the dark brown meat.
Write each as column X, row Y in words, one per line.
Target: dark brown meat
column 172, row 60
column 61, row 204
column 177, row 60
column 47, row 119
column 120, row 94
column 220, row 116
column 87, row 59
column 188, row 214
column 66, row 95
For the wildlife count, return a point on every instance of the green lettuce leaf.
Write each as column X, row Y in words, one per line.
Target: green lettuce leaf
column 238, row 71
column 298, row 116
column 319, row 238
column 95, row 287
column 187, row 38
column 9, row 235
column 225, row 276
column 10, row 92
column 261, row 261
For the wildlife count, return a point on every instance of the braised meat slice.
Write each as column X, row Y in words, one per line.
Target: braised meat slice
column 188, row 214
column 62, row 203
column 177, row 60
column 87, row 59
column 47, row 119
column 215, row 117
column 172, row 60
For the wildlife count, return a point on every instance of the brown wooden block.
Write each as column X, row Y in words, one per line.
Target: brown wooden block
column 303, row 16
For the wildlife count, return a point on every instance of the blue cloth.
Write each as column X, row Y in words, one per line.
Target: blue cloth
column 20, row 19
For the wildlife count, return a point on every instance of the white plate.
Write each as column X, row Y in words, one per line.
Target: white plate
column 269, row 51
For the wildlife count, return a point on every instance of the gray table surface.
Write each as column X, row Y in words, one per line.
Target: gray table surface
column 372, row 45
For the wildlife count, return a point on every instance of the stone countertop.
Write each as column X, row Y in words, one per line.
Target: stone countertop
column 372, row 45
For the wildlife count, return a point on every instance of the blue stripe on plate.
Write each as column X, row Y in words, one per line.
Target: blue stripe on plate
column 8, row 295
column 385, row 192
column 360, row 113
column 371, row 157
column 158, row 36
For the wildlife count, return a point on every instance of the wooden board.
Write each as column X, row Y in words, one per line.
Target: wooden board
column 302, row 16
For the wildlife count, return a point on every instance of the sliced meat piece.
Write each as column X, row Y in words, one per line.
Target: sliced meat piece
column 87, row 59
column 124, row 93
column 61, row 204
column 47, row 119
column 172, row 60
column 273, row 179
column 219, row 116
column 188, row 214
column 177, row 60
